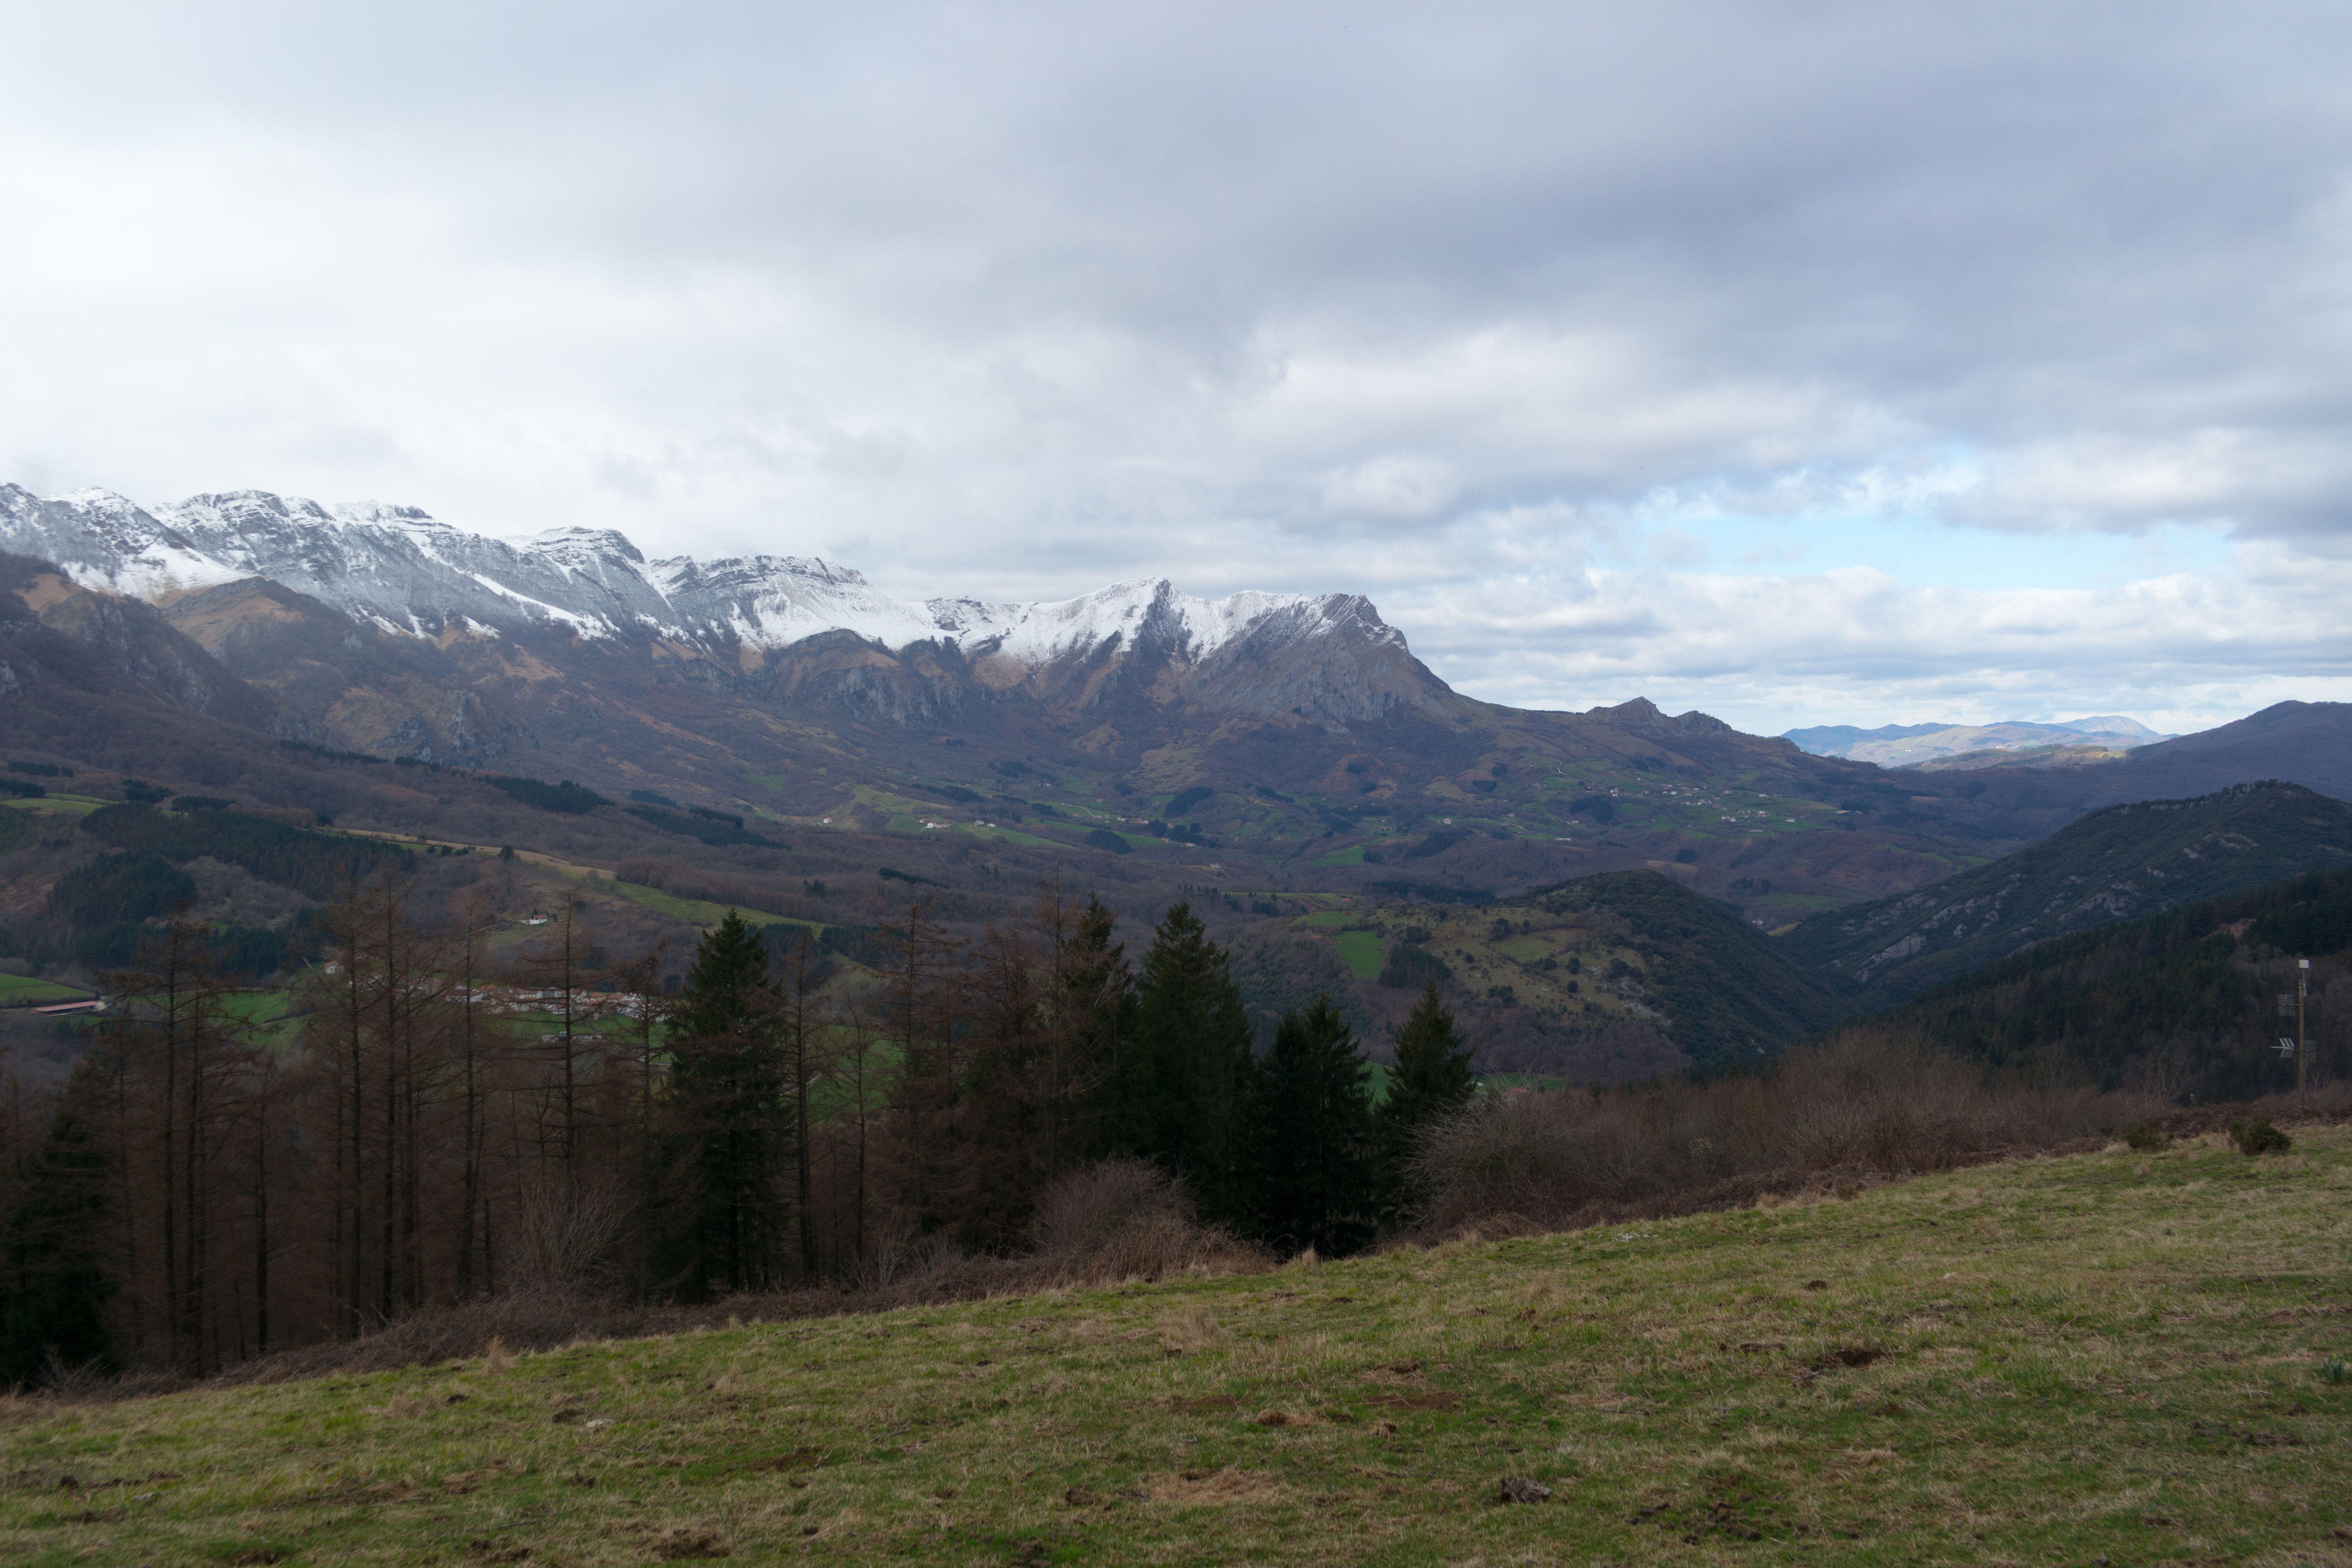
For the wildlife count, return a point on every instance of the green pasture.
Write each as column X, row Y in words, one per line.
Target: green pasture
column 23, row 991
column 2112, row 1356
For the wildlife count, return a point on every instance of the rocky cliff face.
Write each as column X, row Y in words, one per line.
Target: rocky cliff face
column 794, row 628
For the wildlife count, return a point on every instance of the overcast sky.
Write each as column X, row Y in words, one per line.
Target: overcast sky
column 1800, row 361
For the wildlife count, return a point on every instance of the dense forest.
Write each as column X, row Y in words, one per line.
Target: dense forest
column 440, row 1124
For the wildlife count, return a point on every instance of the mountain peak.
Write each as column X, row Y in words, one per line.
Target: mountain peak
column 401, row 570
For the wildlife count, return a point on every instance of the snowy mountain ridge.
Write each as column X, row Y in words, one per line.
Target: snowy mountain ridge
column 412, row 574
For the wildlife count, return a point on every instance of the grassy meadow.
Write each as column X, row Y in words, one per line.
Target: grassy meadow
column 24, row 991
column 2105, row 1358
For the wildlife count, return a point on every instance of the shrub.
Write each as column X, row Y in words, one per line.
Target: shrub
column 2147, row 1139
column 2255, row 1136
column 2333, row 1369
column 1083, row 1212
column 1104, row 838
column 1125, row 1219
column 1541, row 1159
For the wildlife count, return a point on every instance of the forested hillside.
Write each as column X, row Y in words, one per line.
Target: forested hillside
column 2114, row 865
column 2181, row 1004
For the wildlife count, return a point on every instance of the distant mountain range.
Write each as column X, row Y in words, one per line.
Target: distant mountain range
column 1274, row 740
column 404, row 571
column 1903, row 745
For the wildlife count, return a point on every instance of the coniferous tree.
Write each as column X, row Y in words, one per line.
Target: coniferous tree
column 729, row 1086
column 1178, row 1091
column 53, row 1285
column 1317, row 1179
column 1091, row 1010
column 1431, row 1079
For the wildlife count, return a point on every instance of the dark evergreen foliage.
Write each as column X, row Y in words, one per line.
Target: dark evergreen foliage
column 1178, row 1093
column 712, row 827
column 1104, row 838
column 122, row 888
column 1317, row 1179
column 1408, row 964
column 316, row 864
column 328, row 752
column 53, row 1284
column 729, row 1083
column 1430, row 1079
column 575, row 800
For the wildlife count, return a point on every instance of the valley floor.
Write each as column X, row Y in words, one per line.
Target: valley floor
column 2112, row 1358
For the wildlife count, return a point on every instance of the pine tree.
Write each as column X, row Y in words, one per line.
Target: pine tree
column 728, row 1086
column 53, row 1285
column 1318, row 1178
column 1430, row 1079
column 1177, row 1090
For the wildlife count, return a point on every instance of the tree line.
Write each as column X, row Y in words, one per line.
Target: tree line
column 442, row 1120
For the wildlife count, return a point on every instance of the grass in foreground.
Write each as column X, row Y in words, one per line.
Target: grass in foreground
column 2112, row 1357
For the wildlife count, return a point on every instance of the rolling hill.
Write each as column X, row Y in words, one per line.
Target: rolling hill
column 2112, row 865
column 2180, row 1005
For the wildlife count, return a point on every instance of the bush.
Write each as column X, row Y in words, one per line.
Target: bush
column 2147, row 1139
column 2255, row 1136
column 1083, row 1212
column 1104, row 838
column 1853, row 1105
column 1125, row 1219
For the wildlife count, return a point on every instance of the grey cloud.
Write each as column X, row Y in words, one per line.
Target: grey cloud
column 1011, row 300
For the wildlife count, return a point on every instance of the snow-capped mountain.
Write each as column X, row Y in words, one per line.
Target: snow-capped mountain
column 1328, row 657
